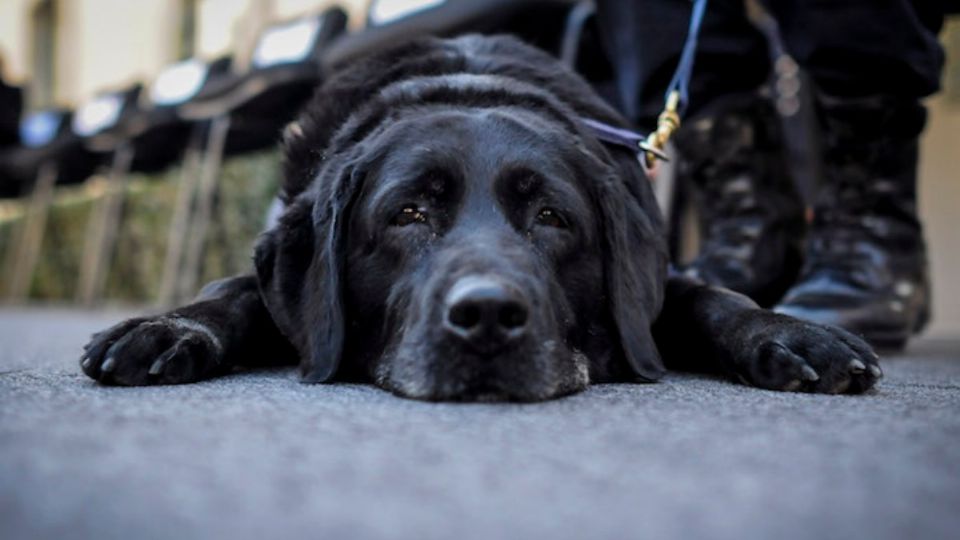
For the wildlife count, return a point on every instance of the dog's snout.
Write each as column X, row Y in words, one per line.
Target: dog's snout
column 485, row 313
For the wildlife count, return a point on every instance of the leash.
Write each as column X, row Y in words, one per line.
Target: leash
column 678, row 91
column 792, row 98
column 650, row 148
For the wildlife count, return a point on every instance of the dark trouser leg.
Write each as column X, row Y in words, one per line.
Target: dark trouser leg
column 858, row 48
column 851, row 48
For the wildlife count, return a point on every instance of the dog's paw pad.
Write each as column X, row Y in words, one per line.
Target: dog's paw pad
column 164, row 350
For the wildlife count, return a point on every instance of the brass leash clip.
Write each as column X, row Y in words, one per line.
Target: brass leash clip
column 667, row 123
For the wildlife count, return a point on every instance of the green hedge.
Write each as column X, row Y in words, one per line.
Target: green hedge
column 246, row 187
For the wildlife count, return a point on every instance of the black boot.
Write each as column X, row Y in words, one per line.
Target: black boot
column 866, row 267
column 750, row 218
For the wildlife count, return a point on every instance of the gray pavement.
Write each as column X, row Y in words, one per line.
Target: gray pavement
column 258, row 455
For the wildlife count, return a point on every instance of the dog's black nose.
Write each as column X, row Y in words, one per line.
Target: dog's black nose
column 485, row 313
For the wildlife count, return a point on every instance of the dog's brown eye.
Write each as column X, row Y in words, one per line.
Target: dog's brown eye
column 550, row 218
column 408, row 216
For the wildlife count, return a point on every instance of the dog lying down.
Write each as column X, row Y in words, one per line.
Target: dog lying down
column 453, row 230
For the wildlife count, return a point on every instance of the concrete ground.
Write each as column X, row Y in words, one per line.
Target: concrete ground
column 259, row 455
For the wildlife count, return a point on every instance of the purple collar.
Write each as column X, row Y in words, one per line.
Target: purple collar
column 625, row 138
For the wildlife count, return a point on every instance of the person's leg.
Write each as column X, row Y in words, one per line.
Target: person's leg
column 872, row 61
column 859, row 48
column 729, row 144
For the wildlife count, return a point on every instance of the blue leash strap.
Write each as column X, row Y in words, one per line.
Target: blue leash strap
column 651, row 147
column 678, row 91
column 681, row 77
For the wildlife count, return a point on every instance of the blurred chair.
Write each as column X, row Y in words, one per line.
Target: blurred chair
column 157, row 132
column 247, row 111
column 50, row 153
column 149, row 137
column 98, row 124
column 161, row 136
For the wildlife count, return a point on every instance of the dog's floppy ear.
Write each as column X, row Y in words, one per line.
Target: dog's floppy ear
column 635, row 265
column 300, row 269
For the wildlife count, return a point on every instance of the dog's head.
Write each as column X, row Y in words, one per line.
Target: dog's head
column 461, row 236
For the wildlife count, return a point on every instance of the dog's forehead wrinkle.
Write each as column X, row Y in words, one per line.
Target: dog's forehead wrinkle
column 459, row 90
column 476, row 140
column 471, row 82
column 536, row 125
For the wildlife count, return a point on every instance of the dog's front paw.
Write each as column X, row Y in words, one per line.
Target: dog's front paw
column 160, row 350
column 782, row 353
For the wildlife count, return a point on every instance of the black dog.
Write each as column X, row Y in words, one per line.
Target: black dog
column 453, row 231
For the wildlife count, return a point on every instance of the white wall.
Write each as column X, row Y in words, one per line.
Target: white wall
column 940, row 209
column 218, row 24
column 14, row 38
column 116, row 43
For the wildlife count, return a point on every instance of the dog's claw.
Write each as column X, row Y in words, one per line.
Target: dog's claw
column 85, row 361
column 810, row 374
column 108, row 365
column 157, row 367
column 162, row 361
column 856, row 366
column 875, row 371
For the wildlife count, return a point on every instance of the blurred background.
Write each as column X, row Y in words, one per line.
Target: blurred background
column 144, row 158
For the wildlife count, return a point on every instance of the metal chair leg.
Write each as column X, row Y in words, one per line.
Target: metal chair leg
column 102, row 235
column 25, row 252
column 200, row 223
column 180, row 221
